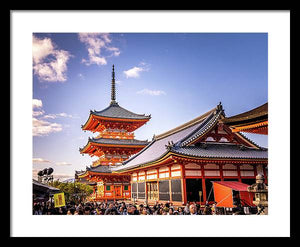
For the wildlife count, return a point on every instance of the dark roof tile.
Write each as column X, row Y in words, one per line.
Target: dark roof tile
column 116, row 111
column 118, row 141
column 231, row 151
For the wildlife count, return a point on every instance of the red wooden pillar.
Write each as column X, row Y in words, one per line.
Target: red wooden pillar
column 239, row 173
column 122, row 191
column 170, row 177
column 157, row 183
column 255, row 170
column 203, row 183
column 221, row 172
column 113, row 192
column 137, row 185
column 265, row 175
column 184, row 196
column 146, row 187
column 204, row 190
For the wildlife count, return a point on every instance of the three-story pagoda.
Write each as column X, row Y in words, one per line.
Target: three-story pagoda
column 114, row 144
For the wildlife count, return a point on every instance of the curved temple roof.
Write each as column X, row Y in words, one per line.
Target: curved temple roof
column 178, row 140
column 255, row 115
column 158, row 147
column 115, row 141
column 116, row 111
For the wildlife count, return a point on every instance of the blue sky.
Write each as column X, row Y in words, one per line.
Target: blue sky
column 175, row 77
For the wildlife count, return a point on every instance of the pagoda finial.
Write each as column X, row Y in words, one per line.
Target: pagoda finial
column 113, row 87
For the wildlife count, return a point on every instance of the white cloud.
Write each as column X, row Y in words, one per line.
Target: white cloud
column 49, row 63
column 40, row 160
column 96, row 44
column 44, row 128
column 147, row 91
column 41, row 127
column 36, row 103
column 41, row 48
column 53, row 116
column 136, row 70
column 38, row 113
column 116, row 52
column 63, row 164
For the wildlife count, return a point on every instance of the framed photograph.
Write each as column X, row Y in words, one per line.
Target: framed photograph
column 158, row 113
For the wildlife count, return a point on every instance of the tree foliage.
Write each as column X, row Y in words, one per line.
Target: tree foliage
column 73, row 191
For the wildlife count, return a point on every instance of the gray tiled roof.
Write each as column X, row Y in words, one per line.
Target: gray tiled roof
column 44, row 186
column 156, row 148
column 118, row 141
column 222, row 151
column 100, row 169
column 116, row 111
column 209, row 122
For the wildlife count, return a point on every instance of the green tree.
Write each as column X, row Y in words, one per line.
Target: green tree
column 73, row 191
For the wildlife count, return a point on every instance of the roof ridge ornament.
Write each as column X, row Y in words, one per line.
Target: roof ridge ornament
column 242, row 147
column 203, row 145
column 219, row 106
column 170, row 145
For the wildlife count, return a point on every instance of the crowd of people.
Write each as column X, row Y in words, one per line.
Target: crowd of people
column 122, row 208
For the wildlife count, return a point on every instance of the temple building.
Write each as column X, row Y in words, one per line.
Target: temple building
column 114, row 144
column 182, row 164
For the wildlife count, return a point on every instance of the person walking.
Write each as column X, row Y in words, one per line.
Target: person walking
column 207, row 210
column 171, row 211
column 186, row 209
column 193, row 209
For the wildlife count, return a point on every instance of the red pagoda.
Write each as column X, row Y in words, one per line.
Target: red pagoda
column 114, row 144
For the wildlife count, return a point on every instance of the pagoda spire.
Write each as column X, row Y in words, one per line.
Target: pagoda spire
column 113, row 87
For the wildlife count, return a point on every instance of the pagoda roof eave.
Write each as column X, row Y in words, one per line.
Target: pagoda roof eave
column 85, row 126
column 120, row 119
column 93, row 117
column 111, row 142
column 85, row 148
column 118, row 142
column 83, row 175
column 115, row 111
